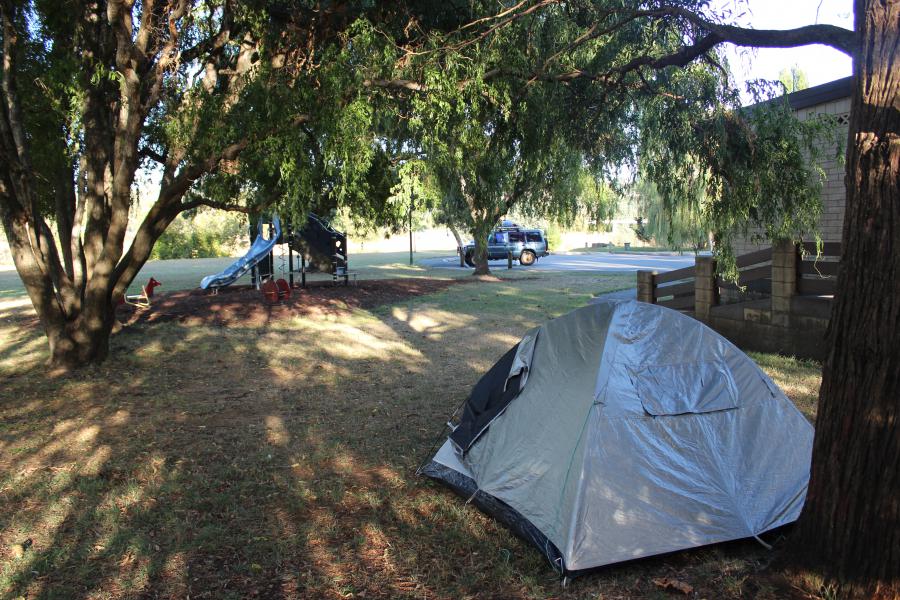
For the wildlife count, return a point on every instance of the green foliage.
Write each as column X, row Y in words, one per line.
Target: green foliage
column 640, row 230
column 746, row 172
column 316, row 135
column 204, row 234
column 498, row 144
column 793, row 79
column 494, row 125
column 554, row 235
column 597, row 202
column 415, row 190
column 681, row 227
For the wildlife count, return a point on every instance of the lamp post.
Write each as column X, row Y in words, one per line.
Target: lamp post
column 411, row 200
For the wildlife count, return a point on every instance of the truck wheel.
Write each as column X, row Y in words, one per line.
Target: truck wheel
column 527, row 258
column 469, row 260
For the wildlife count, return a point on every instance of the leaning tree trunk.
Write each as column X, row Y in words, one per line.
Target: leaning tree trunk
column 456, row 236
column 850, row 526
column 459, row 244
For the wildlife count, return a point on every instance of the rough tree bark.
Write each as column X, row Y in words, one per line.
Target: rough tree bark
column 480, row 255
column 75, row 286
column 851, row 521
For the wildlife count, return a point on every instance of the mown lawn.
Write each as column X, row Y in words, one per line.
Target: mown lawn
column 279, row 461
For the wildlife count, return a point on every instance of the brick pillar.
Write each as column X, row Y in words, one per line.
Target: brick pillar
column 784, row 281
column 706, row 292
column 646, row 283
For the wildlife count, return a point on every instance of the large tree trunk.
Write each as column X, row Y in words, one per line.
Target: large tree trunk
column 79, row 336
column 850, row 526
column 480, row 257
column 83, row 342
column 482, row 224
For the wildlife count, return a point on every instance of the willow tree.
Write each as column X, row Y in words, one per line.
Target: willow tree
column 499, row 142
column 680, row 226
column 517, row 107
column 231, row 105
column 495, row 163
column 850, row 525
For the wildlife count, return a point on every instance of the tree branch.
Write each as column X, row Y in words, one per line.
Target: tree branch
column 839, row 38
column 395, row 83
column 215, row 43
column 169, row 205
column 508, row 18
column 153, row 155
column 836, row 37
column 166, row 56
column 199, row 200
column 12, row 107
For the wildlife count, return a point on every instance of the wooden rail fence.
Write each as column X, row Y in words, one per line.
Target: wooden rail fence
column 754, row 273
column 817, row 274
column 675, row 289
column 787, row 311
column 785, row 271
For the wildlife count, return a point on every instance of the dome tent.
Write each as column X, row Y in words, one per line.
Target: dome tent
column 623, row 430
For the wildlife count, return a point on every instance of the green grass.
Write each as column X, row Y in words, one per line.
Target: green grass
column 279, row 461
column 800, row 379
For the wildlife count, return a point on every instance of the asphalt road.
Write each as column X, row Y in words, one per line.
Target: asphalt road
column 589, row 261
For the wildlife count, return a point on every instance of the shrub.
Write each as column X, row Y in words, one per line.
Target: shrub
column 554, row 236
column 203, row 234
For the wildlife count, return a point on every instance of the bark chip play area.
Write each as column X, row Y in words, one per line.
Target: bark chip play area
column 245, row 306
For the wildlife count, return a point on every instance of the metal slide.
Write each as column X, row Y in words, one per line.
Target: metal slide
column 259, row 250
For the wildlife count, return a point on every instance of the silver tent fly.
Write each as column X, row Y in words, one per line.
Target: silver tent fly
column 624, row 430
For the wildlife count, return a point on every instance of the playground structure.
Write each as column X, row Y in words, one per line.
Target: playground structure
column 316, row 239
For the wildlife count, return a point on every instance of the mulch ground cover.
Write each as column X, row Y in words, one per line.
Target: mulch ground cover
column 246, row 306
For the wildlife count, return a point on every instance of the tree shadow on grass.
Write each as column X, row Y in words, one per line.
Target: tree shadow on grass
column 273, row 461
column 223, row 462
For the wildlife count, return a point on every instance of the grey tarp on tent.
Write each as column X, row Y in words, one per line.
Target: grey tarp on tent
column 638, row 431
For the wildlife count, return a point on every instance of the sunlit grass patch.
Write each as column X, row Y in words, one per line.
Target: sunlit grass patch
column 800, row 379
column 21, row 348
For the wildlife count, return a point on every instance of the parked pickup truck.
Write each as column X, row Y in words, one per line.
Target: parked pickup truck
column 526, row 245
